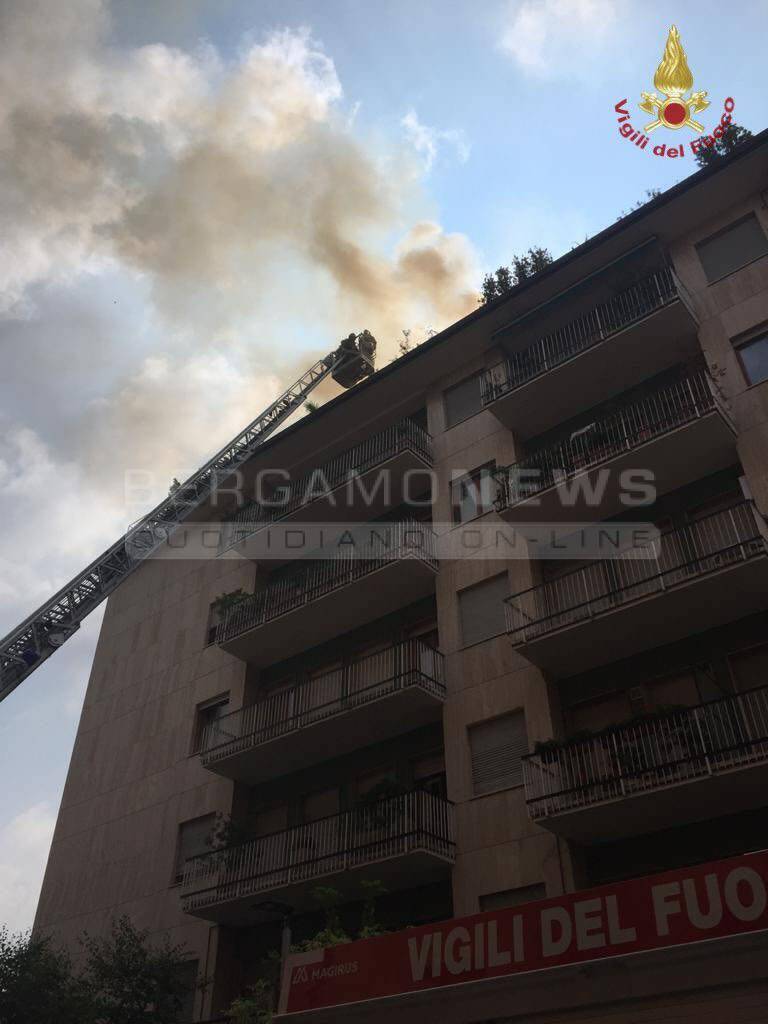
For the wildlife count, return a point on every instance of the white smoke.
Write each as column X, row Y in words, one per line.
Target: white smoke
column 232, row 206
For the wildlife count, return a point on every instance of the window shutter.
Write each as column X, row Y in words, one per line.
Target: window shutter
column 734, row 247
column 462, row 400
column 481, row 609
column 497, row 748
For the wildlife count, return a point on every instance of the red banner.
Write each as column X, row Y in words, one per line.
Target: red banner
column 728, row 897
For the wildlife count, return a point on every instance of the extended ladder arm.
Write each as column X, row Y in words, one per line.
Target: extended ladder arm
column 31, row 643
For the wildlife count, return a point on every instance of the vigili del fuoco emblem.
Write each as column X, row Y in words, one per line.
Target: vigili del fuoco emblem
column 673, row 79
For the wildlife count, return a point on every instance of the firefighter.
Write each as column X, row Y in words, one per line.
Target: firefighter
column 368, row 350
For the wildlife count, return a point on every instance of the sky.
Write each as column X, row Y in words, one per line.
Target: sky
column 200, row 197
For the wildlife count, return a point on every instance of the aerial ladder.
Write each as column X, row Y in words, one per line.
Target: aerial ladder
column 31, row 643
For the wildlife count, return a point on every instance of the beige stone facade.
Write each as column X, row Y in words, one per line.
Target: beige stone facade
column 355, row 705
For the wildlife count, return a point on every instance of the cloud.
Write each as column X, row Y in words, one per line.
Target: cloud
column 426, row 141
column 24, row 844
column 559, row 38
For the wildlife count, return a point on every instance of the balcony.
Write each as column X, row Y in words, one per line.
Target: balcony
column 682, row 433
column 354, row 706
column 654, row 773
column 387, row 566
column 707, row 573
column 338, row 490
column 403, row 841
column 639, row 332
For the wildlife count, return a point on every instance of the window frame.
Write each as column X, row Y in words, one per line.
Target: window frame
column 178, row 876
column 198, row 725
column 738, row 346
column 473, row 475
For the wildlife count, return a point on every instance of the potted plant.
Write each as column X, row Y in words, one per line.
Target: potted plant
column 223, row 604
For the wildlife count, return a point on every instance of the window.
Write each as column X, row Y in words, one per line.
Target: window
column 429, row 774
column 462, row 400
column 206, row 715
column 754, row 359
column 497, row 748
column 377, row 782
column 323, row 803
column 732, row 248
column 271, row 819
column 513, row 897
column 192, row 841
column 749, row 668
column 481, row 609
column 474, row 493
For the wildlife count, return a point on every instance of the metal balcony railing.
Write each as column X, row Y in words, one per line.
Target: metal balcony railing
column 650, row 417
column 713, row 542
column 288, row 497
column 407, row 664
column 600, row 323
column 294, row 586
column 382, row 830
column 649, row 754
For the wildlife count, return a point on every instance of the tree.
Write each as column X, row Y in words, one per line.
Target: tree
column 522, row 268
column 733, row 136
column 133, row 981
column 37, row 985
column 650, row 195
column 310, row 406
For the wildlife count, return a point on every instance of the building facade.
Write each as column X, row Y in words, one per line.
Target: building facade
column 487, row 715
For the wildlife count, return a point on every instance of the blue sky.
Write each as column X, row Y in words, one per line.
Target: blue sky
column 473, row 130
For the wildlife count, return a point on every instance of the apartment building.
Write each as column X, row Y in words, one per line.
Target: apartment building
column 470, row 721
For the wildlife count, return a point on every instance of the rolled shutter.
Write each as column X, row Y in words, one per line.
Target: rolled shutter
column 462, row 400
column 732, row 248
column 497, row 749
column 481, row 609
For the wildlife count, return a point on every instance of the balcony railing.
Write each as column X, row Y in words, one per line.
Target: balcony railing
column 414, row 822
column 411, row 663
column 713, row 542
column 648, row 755
column 290, row 588
column 400, row 437
column 637, row 423
column 600, row 323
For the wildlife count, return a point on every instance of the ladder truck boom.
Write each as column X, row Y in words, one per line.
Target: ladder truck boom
column 32, row 642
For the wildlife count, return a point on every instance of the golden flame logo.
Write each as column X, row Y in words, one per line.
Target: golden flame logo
column 673, row 79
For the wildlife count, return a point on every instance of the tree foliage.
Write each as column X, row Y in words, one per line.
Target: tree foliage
column 123, row 979
column 521, row 269
column 133, row 981
column 255, row 1005
column 224, row 602
column 37, row 985
column 733, row 136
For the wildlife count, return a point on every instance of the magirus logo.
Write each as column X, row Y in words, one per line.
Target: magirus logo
column 673, row 105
